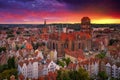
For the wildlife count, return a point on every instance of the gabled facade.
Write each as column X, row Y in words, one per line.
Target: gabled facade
column 30, row 70
column 24, row 70
column 34, row 68
column 112, row 70
column 108, row 69
column 52, row 66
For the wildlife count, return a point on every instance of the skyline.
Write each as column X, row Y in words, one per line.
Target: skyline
column 59, row 11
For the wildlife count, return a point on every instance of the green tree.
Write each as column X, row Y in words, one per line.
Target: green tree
column 66, row 75
column 102, row 75
column 61, row 63
column 8, row 69
column 3, row 67
column 82, row 74
column 63, row 75
column 11, row 63
column 73, row 75
column 59, row 72
column 67, row 61
column 114, row 79
column 101, row 57
column 7, row 73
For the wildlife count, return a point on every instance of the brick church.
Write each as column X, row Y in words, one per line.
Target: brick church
column 72, row 41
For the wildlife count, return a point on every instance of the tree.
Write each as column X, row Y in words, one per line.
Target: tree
column 101, row 56
column 114, row 79
column 102, row 75
column 61, row 63
column 63, row 75
column 59, row 72
column 11, row 63
column 67, row 61
column 82, row 74
column 73, row 75
column 3, row 67
column 7, row 73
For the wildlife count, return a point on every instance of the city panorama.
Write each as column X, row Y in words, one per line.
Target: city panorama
column 59, row 40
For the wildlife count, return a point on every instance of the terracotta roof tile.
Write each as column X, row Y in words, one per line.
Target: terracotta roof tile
column 77, row 54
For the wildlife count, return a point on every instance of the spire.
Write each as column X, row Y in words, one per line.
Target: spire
column 45, row 22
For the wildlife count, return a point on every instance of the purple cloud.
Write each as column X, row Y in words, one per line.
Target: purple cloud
column 107, row 5
column 33, row 5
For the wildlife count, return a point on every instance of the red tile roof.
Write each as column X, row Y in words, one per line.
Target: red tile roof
column 72, row 66
column 77, row 54
column 70, row 36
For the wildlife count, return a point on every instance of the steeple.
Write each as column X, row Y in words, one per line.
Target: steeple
column 45, row 23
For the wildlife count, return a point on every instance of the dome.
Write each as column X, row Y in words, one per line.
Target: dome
column 85, row 20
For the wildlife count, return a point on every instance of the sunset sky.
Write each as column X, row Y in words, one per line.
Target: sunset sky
column 58, row 11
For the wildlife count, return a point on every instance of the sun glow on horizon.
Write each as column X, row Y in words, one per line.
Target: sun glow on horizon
column 106, row 21
column 68, row 21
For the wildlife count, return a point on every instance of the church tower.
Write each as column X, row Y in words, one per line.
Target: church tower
column 87, row 31
column 86, row 24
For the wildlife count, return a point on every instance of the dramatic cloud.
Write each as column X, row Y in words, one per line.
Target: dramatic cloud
column 105, row 6
column 56, row 10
